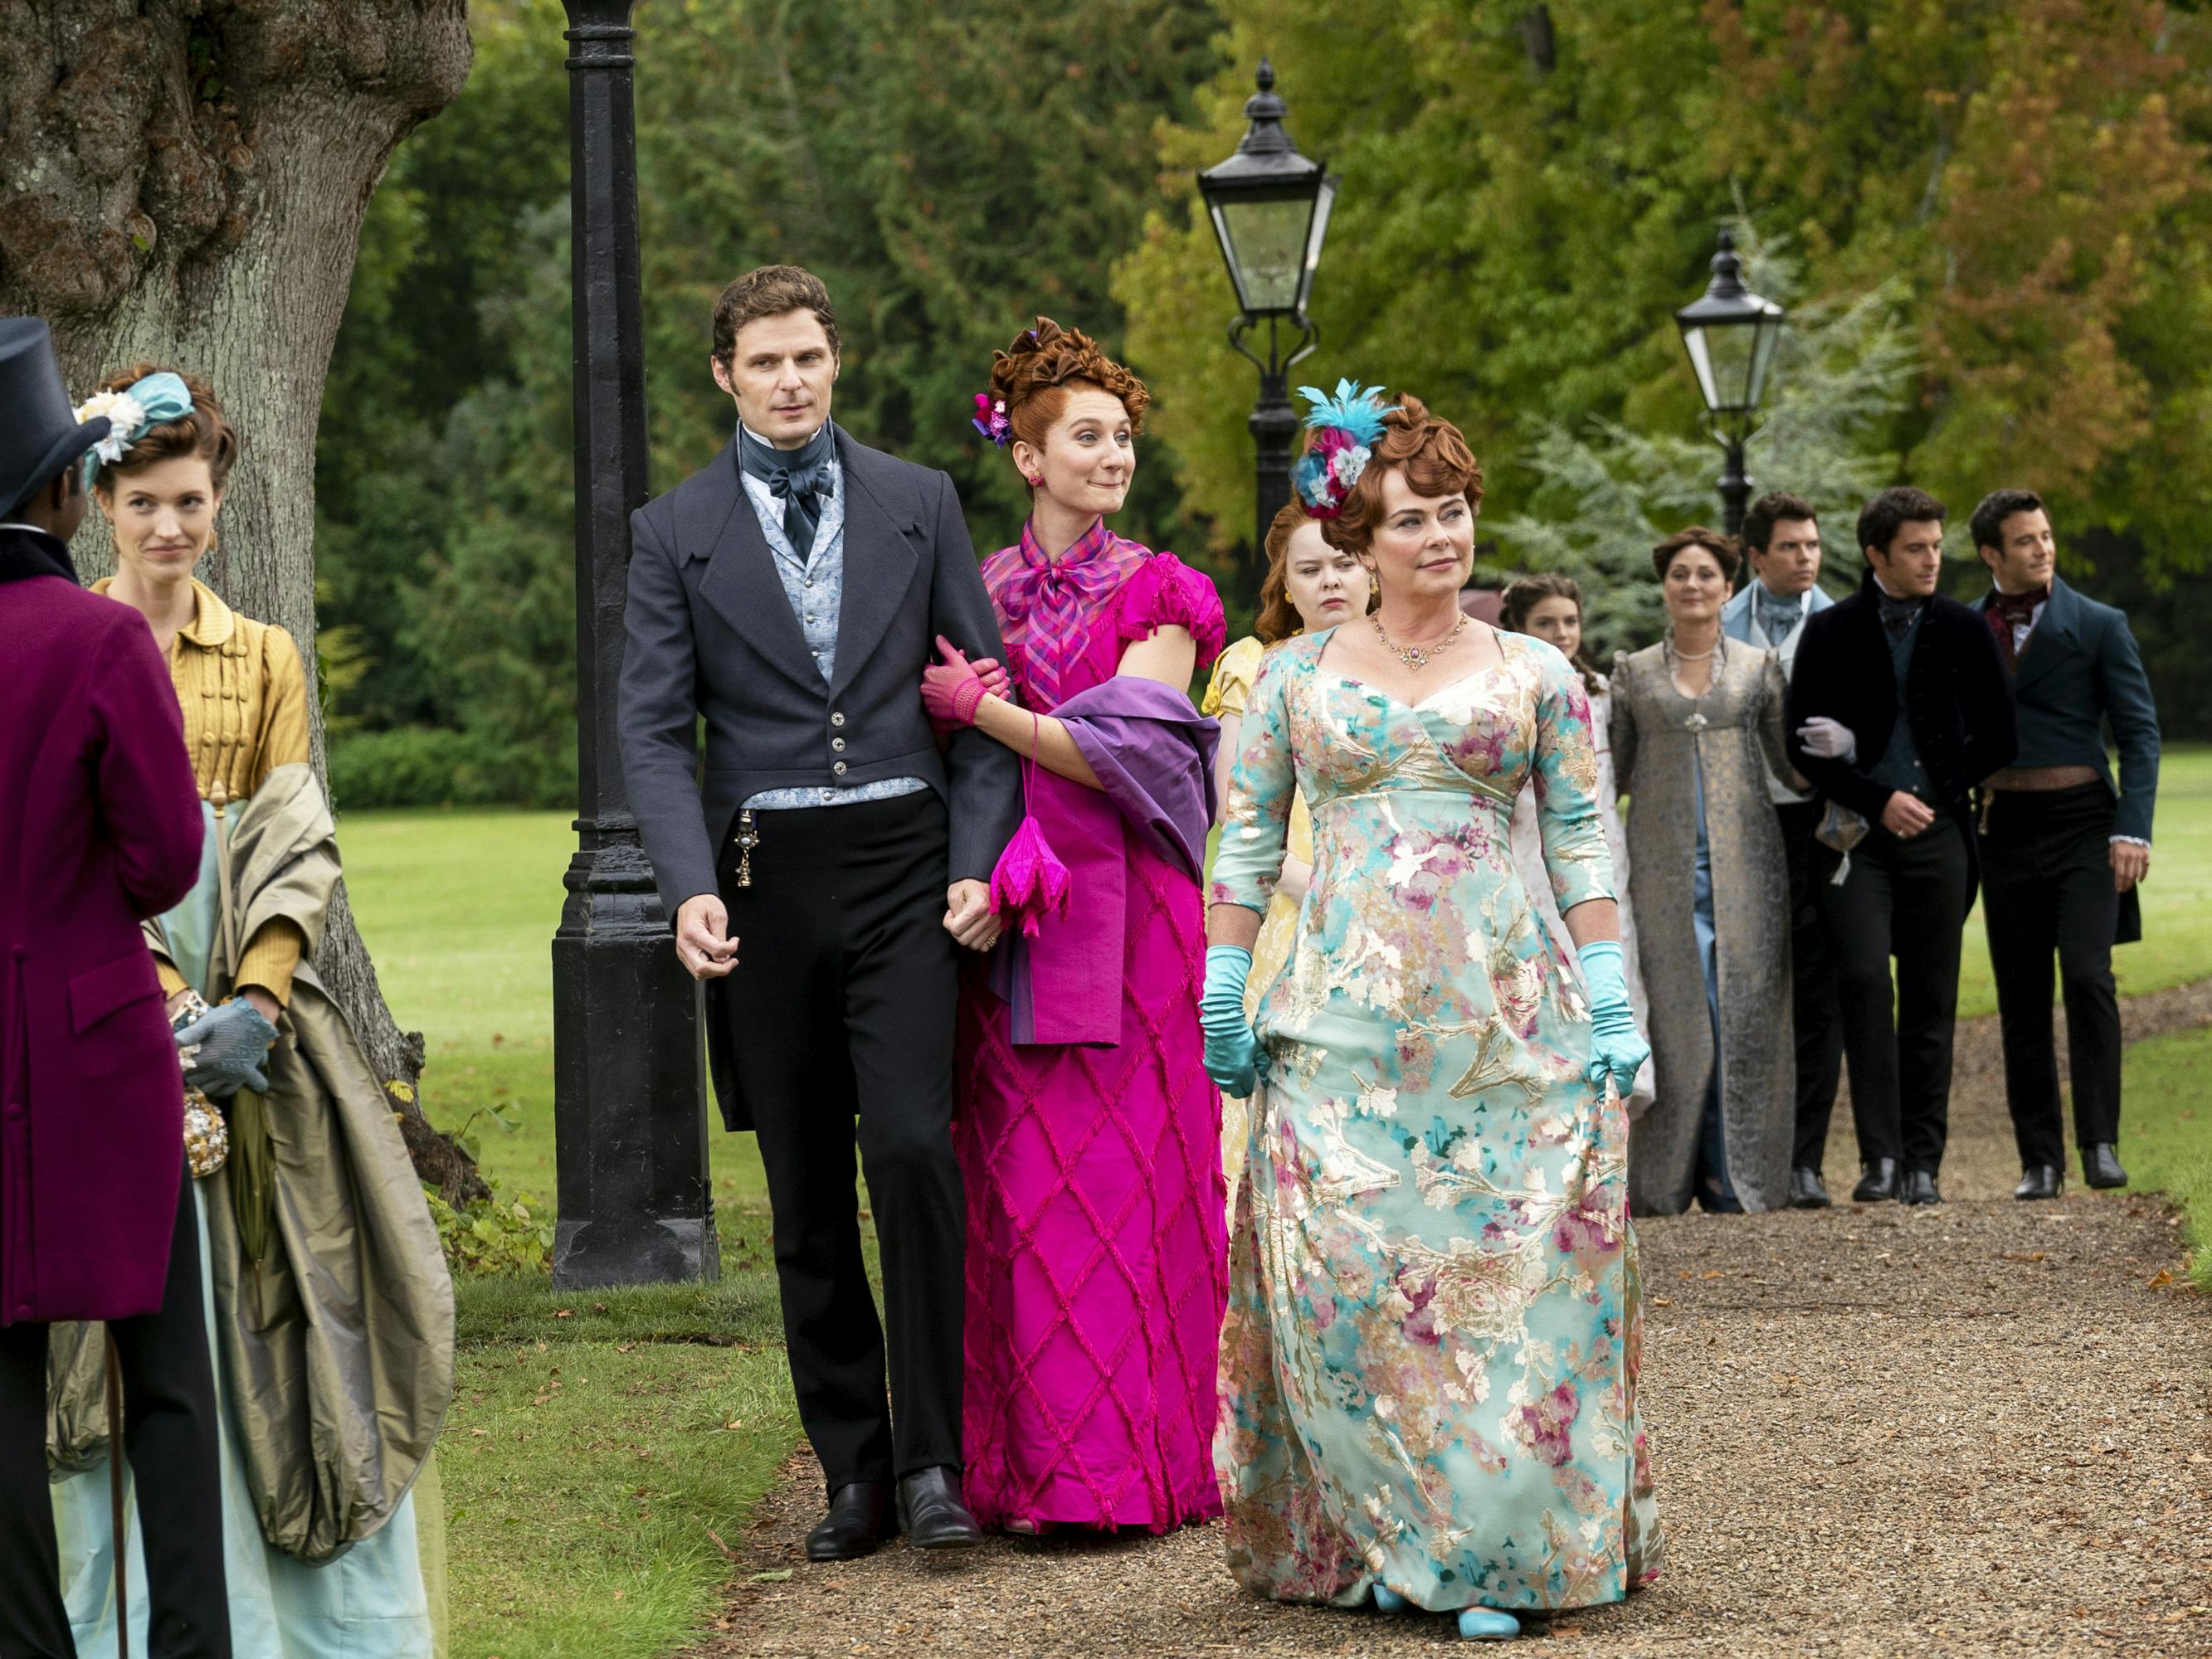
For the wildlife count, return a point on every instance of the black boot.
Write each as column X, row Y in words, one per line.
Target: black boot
column 2100, row 1166
column 2039, row 1181
column 932, row 1514
column 1807, row 1191
column 1920, row 1187
column 1877, row 1182
column 859, row 1515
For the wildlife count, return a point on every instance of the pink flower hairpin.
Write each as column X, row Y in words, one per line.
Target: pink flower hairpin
column 990, row 419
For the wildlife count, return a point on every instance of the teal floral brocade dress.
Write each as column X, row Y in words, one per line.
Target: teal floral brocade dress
column 1429, row 1367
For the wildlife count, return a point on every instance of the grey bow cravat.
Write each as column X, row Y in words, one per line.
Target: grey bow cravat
column 1777, row 616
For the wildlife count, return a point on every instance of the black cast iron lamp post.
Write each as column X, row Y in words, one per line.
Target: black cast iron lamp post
column 1270, row 206
column 1730, row 334
column 629, row 1107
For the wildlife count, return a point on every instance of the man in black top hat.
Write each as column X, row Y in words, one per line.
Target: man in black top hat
column 1898, row 708
column 100, row 827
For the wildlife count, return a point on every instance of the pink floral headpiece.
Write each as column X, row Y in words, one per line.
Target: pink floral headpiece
column 990, row 419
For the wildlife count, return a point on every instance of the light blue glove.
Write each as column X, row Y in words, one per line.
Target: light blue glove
column 1617, row 1048
column 1231, row 1050
column 232, row 1042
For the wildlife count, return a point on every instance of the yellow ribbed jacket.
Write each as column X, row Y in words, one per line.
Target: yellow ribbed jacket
column 245, row 699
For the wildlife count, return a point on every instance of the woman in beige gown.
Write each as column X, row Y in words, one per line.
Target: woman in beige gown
column 1697, row 726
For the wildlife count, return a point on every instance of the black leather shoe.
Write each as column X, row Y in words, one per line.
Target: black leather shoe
column 2100, row 1166
column 932, row 1514
column 859, row 1515
column 1920, row 1187
column 2039, row 1181
column 1807, row 1191
column 1877, row 1182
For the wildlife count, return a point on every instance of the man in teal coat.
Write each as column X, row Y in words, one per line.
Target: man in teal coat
column 2063, row 846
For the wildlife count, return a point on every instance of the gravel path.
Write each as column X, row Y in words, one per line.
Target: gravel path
column 1983, row 1429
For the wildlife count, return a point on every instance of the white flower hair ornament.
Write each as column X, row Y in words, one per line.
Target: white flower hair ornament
column 1344, row 430
column 131, row 413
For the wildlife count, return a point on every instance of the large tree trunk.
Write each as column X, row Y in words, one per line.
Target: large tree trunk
column 183, row 181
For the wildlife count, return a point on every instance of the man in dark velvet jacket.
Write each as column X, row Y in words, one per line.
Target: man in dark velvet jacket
column 1898, row 708
column 2063, row 847
column 792, row 594
column 100, row 827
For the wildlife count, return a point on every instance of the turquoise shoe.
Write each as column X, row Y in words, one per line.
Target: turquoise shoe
column 1487, row 1624
column 1387, row 1599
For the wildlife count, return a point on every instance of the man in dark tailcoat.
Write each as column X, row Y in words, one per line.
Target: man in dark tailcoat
column 2063, row 847
column 791, row 594
column 1898, row 707
column 100, row 827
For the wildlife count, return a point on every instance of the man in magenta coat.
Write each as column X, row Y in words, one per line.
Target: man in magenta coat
column 100, row 826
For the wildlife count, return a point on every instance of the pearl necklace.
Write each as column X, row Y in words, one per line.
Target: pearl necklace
column 1416, row 657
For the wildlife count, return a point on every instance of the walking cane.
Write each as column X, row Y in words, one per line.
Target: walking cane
column 115, row 1495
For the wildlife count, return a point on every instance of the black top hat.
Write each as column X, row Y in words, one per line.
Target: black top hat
column 40, row 434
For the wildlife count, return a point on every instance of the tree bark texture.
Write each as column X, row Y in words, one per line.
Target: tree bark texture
column 183, row 182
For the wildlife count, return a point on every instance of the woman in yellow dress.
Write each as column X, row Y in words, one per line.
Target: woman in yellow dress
column 1309, row 586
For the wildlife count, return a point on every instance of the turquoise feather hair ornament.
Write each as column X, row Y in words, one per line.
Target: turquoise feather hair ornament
column 131, row 413
column 1343, row 428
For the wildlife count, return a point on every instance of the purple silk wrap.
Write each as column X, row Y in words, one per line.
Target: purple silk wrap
column 1154, row 753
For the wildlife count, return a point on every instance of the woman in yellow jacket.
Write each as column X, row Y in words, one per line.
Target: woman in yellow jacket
column 1309, row 586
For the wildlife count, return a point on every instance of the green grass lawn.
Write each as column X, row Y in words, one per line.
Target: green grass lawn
column 2166, row 1135
column 598, row 1438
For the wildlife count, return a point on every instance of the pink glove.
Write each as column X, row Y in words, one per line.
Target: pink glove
column 951, row 689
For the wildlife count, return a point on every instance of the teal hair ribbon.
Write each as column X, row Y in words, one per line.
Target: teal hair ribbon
column 160, row 398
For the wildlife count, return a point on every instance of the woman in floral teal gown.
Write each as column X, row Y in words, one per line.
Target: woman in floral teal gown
column 1429, row 1369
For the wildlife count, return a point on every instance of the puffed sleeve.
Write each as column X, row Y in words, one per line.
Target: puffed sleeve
column 1229, row 691
column 272, row 956
column 1164, row 592
column 1262, row 788
column 283, row 735
column 1566, row 779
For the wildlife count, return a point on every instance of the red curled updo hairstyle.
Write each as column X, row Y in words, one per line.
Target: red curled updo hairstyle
column 204, row 433
column 1035, row 374
column 1434, row 458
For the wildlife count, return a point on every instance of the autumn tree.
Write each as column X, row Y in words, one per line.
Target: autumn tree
column 1530, row 191
column 184, row 181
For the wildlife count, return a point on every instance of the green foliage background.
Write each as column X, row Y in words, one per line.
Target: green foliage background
column 1990, row 222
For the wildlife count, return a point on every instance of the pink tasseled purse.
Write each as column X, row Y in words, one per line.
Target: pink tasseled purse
column 1030, row 878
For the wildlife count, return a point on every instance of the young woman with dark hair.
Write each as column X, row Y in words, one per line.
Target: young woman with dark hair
column 1548, row 606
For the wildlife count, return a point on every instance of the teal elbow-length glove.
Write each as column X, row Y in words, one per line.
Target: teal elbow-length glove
column 1231, row 1050
column 1617, row 1049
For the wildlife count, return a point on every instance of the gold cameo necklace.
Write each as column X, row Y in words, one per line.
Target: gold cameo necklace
column 1418, row 656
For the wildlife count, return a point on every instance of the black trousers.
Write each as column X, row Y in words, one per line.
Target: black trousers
column 841, row 1005
column 1905, row 899
column 169, row 1437
column 2046, row 888
column 1818, row 1019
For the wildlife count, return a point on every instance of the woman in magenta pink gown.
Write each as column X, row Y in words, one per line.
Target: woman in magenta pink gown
column 1086, row 1126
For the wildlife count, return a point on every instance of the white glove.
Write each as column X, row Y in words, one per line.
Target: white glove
column 1829, row 739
